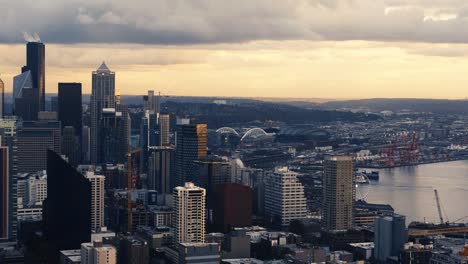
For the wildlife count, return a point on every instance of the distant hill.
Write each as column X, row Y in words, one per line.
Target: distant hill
column 226, row 115
column 397, row 105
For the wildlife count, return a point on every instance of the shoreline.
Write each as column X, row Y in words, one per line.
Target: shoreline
column 411, row 165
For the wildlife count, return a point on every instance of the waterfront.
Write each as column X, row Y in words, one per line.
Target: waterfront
column 410, row 190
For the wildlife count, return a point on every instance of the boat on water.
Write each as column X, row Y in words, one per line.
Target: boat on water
column 361, row 179
column 372, row 175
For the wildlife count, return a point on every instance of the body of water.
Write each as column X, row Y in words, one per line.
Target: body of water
column 410, row 190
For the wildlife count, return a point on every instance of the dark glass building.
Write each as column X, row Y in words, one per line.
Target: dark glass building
column 191, row 145
column 35, row 62
column 161, row 170
column 33, row 139
column 70, row 106
column 5, row 203
column 113, row 143
column 67, row 215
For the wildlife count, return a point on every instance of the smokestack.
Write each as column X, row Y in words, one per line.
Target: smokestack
column 31, row 37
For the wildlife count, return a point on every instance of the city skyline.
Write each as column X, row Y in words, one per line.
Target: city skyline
column 347, row 49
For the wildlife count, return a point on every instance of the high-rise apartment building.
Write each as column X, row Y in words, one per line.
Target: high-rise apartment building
column 189, row 206
column 67, row 218
column 97, row 200
column 33, row 139
column 98, row 253
column 102, row 96
column 284, row 198
column 191, row 145
column 338, row 193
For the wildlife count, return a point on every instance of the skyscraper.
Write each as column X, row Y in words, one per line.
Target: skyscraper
column 338, row 193
column 113, row 137
column 35, row 62
column 34, row 138
column 97, row 200
column 102, row 96
column 70, row 109
column 189, row 204
column 71, row 145
column 5, row 197
column 390, row 236
column 161, row 170
column 164, row 129
column 67, row 214
column 2, row 99
column 191, row 144
column 284, row 198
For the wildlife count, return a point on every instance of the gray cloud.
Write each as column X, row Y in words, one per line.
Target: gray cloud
column 182, row 22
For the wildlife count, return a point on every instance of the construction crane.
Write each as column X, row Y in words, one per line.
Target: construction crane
column 439, row 209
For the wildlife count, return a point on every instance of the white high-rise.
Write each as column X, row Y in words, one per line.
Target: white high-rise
column 189, row 205
column 97, row 200
column 284, row 197
column 97, row 253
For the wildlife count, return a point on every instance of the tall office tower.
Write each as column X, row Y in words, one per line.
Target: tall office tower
column 70, row 145
column 2, row 99
column 26, row 105
column 97, row 200
column 20, row 82
column 189, row 205
column 126, row 128
column 5, row 197
column 284, row 198
column 164, row 129
column 8, row 125
column 148, row 139
column 161, row 169
column 390, row 236
column 98, row 253
column 113, row 144
column 191, row 144
column 338, row 193
column 67, row 215
column 232, row 206
column 33, row 139
column 70, row 110
column 210, row 172
column 151, row 102
column 86, row 144
column 35, row 62
column 102, row 96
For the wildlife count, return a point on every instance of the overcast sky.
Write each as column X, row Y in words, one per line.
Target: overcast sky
column 281, row 48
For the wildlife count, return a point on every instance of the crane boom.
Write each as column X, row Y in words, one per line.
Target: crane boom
column 439, row 209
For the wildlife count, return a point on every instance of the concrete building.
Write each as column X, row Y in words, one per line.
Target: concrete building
column 72, row 256
column 284, row 198
column 97, row 200
column 98, row 253
column 338, row 193
column 189, row 206
column 5, row 202
column 232, row 206
column 390, row 235
column 164, row 129
column 207, row 253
